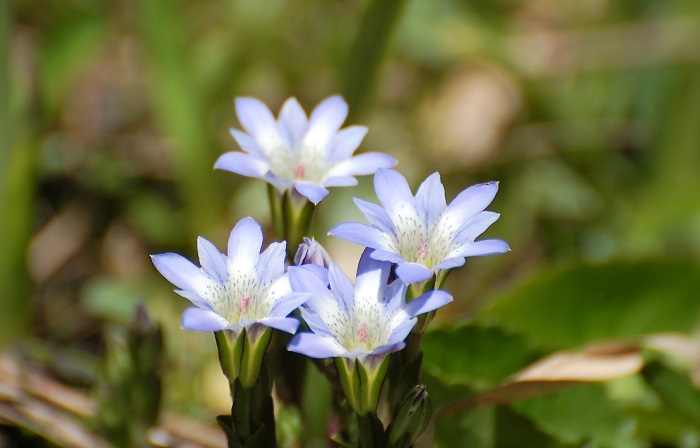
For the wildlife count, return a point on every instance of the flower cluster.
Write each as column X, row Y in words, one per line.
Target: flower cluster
column 409, row 241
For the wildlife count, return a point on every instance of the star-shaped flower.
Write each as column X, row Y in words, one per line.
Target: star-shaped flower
column 422, row 234
column 370, row 318
column 309, row 154
column 236, row 291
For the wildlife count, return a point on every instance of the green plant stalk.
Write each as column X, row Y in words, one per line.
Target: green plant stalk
column 404, row 371
column 367, row 51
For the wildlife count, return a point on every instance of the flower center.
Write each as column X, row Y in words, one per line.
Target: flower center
column 362, row 333
column 244, row 304
column 423, row 249
column 299, row 171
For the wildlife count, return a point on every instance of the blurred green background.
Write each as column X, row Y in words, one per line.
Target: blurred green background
column 112, row 114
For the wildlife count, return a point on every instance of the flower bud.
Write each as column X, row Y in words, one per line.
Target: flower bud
column 310, row 252
column 411, row 418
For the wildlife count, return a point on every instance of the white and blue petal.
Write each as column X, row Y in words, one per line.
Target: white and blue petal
column 410, row 273
column 293, row 120
column 213, row 261
column 429, row 301
column 259, row 122
column 376, row 215
column 430, row 198
column 324, row 123
column 340, row 181
column 394, row 194
column 346, row 142
column 200, row 319
column 468, row 203
column 481, row 248
column 243, row 164
column 248, row 144
column 361, row 234
column 366, row 163
column 182, row 273
column 271, row 263
column 286, row 324
column 311, row 191
column 244, row 244
column 315, row 346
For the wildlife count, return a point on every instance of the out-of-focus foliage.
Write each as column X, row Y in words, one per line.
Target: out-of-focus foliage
column 112, row 114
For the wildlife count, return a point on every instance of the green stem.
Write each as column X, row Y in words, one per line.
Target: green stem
column 275, row 199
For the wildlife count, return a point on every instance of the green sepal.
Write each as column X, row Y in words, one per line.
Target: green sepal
column 349, row 381
column 225, row 344
column 362, row 381
column 249, row 353
column 371, row 374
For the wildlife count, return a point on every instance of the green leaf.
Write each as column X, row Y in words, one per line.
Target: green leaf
column 582, row 415
column 680, row 403
column 475, row 356
column 579, row 304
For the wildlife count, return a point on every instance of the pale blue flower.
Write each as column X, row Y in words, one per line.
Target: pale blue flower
column 309, row 154
column 422, row 234
column 370, row 318
column 236, row 291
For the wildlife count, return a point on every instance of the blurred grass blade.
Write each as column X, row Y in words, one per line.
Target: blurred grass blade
column 367, row 51
column 179, row 109
column 16, row 196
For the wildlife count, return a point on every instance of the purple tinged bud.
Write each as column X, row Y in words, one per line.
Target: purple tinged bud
column 311, row 252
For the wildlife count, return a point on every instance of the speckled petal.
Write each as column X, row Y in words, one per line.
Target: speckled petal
column 376, row 215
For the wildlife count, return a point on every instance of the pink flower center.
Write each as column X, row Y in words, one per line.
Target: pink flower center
column 362, row 333
column 299, row 171
column 423, row 249
column 244, row 304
